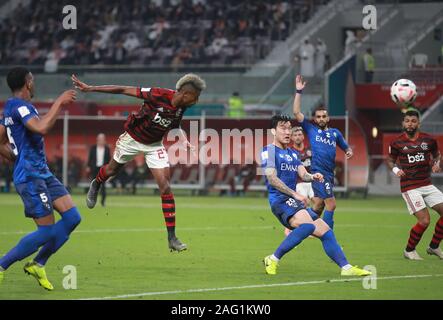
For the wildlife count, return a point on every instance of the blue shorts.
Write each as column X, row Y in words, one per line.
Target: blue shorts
column 325, row 189
column 38, row 194
column 284, row 210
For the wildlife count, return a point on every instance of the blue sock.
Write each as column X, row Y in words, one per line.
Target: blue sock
column 63, row 228
column 294, row 238
column 312, row 213
column 332, row 249
column 28, row 245
column 328, row 217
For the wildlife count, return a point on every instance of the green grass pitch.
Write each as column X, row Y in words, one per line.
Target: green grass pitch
column 121, row 252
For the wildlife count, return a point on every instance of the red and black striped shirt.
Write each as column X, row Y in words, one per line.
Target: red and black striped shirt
column 305, row 158
column 414, row 158
column 156, row 116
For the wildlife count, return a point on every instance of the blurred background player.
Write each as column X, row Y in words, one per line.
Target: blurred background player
column 412, row 157
column 99, row 155
column 162, row 110
column 323, row 141
column 21, row 136
column 281, row 165
column 305, row 154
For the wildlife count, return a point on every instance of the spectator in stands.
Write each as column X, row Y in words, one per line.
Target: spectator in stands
column 99, row 154
column 350, row 42
column 306, row 56
column 320, row 57
column 236, row 106
column 369, row 65
column 245, row 176
column 440, row 57
column 6, row 174
column 418, row 60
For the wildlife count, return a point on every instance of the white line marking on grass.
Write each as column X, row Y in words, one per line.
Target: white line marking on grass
column 129, row 230
column 255, row 286
column 226, row 207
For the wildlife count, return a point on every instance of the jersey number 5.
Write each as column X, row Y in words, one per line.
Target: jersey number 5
column 11, row 141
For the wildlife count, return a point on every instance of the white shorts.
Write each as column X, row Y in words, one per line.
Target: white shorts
column 305, row 188
column 127, row 148
column 420, row 198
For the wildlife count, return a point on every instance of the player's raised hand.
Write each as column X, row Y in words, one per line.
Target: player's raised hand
column 349, row 153
column 80, row 85
column 299, row 82
column 67, row 97
column 318, row 177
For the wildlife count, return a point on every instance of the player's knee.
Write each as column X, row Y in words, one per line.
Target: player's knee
column 72, row 218
column 424, row 221
column 165, row 189
column 331, row 206
column 309, row 228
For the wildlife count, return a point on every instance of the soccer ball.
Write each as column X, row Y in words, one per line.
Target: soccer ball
column 403, row 92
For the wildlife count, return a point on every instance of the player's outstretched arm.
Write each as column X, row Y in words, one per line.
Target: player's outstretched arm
column 299, row 86
column 44, row 124
column 271, row 174
column 5, row 149
column 307, row 177
column 126, row 90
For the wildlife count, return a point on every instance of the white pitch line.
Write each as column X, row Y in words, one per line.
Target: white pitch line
column 223, row 206
column 255, row 286
column 128, row 230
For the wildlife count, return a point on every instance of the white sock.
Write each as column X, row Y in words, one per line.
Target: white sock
column 274, row 258
column 347, row 267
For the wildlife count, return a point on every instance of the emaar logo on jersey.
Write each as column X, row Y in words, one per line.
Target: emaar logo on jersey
column 288, row 167
column 325, row 141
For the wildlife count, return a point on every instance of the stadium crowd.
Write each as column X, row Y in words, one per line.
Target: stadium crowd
column 168, row 32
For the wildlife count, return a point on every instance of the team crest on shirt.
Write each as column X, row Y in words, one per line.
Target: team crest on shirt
column 405, row 148
column 288, row 157
column 319, row 130
column 179, row 112
column 294, row 155
column 424, row 146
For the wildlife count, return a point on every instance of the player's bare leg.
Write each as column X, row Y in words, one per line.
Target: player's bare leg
column 318, row 205
column 416, row 233
column 107, row 171
column 162, row 177
column 433, row 248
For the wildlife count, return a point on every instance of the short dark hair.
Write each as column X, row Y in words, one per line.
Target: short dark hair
column 295, row 129
column 16, row 78
column 279, row 118
column 320, row 108
column 412, row 113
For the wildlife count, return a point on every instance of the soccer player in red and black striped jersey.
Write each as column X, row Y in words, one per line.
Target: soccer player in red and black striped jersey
column 413, row 156
column 161, row 111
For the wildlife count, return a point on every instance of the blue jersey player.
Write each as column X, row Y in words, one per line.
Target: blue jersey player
column 281, row 166
column 324, row 142
column 21, row 140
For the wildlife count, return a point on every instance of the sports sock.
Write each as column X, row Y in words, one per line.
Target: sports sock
column 333, row 249
column 63, row 228
column 328, row 217
column 438, row 234
column 312, row 213
column 294, row 238
column 415, row 236
column 102, row 176
column 168, row 207
column 28, row 245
